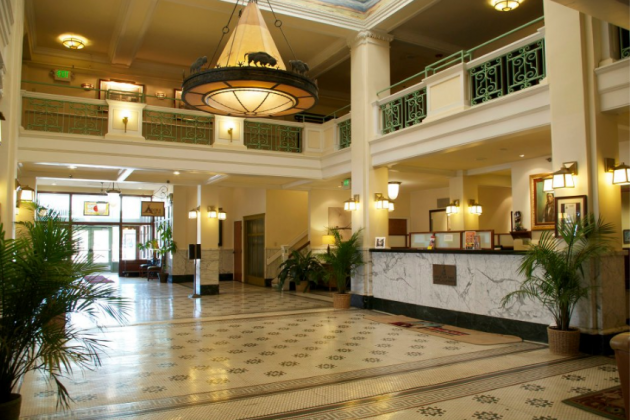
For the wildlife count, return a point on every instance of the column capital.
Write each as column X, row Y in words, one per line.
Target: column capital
column 363, row 37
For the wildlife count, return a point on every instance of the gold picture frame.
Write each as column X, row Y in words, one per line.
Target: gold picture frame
column 96, row 208
column 152, row 208
column 543, row 212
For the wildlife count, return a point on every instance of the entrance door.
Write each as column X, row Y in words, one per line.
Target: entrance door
column 255, row 250
column 95, row 244
column 238, row 251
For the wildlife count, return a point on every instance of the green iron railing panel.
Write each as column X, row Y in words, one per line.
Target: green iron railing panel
column 345, row 133
column 178, row 128
column 404, row 112
column 624, row 43
column 276, row 137
column 516, row 70
column 64, row 117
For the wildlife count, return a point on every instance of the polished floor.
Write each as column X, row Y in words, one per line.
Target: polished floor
column 255, row 353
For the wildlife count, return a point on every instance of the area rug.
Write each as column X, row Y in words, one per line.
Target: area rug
column 606, row 403
column 98, row 279
column 446, row 331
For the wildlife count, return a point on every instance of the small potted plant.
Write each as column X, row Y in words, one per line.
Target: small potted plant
column 301, row 268
column 42, row 280
column 554, row 275
column 343, row 259
column 161, row 246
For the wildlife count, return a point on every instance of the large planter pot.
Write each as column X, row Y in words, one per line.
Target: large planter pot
column 163, row 276
column 566, row 343
column 341, row 300
column 10, row 410
column 301, row 288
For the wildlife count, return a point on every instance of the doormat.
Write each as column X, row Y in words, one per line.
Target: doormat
column 606, row 403
column 446, row 331
column 98, row 279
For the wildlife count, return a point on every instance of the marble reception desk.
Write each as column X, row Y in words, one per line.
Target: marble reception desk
column 402, row 283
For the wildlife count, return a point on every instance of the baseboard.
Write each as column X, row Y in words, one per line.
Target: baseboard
column 226, row 277
column 181, row 278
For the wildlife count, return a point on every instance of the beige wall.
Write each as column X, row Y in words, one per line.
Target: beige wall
column 318, row 203
column 286, row 217
column 248, row 202
column 497, row 205
column 226, row 202
column 420, row 203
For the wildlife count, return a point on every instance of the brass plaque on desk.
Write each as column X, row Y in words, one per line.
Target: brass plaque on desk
column 444, row 274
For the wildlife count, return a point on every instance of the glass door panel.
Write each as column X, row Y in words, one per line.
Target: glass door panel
column 129, row 244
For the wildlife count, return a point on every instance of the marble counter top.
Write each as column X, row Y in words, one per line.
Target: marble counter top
column 449, row 251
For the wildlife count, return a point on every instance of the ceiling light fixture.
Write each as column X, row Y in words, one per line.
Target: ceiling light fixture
column 74, row 42
column 506, row 5
column 250, row 79
column 113, row 191
column 393, row 188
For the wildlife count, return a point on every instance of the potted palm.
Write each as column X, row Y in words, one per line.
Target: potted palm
column 301, row 268
column 161, row 246
column 343, row 259
column 554, row 275
column 42, row 279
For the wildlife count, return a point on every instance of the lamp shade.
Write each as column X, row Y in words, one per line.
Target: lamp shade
column 475, row 209
column 222, row 214
column 452, row 208
column 212, row 213
column 328, row 240
column 192, row 214
column 27, row 194
column 563, row 179
column 391, row 206
column 393, row 188
column 506, row 5
column 548, row 184
column 621, row 174
column 381, row 201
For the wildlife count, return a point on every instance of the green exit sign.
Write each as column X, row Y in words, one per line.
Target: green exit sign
column 346, row 183
column 62, row 75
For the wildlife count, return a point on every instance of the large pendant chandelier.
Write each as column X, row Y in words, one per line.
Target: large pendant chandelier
column 250, row 79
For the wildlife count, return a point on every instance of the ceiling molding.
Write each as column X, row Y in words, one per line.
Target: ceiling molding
column 71, row 55
column 134, row 19
column 336, row 52
column 488, row 169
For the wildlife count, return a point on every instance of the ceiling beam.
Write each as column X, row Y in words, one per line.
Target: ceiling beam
column 329, row 57
column 133, row 21
column 123, row 174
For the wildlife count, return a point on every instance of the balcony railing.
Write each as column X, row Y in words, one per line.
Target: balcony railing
column 275, row 137
column 404, row 111
column 177, row 127
column 345, row 133
column 624, row 43
column 58, row 116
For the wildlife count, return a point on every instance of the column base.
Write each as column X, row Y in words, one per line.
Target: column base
column 209, row 289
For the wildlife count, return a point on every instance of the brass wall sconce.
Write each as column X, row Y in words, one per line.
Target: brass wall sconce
column 230, row 131
column 125, row 120
column 192, row 214
column 621, row 172
column 564, row 177
column 474, row 207
column 222, row 214
column 352, row 203
column 160, row 95
column 452, row 208
column 87, row 86
column 212, row 212
column 382, row 202
column 26, row 194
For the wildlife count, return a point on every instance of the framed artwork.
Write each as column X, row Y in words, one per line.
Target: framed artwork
column 379, row 242
column 152, row 208
column 124, row 90
column 570, row 208
column 96, row 208
column 542, row 204
column 626, row 236
column 340, row 219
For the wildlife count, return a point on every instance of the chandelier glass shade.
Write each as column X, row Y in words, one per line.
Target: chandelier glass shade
column 250, row 79
column 74, row 42
column 506, row 5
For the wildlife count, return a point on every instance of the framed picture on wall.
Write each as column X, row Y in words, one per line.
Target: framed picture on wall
column 121, row 90
column 626, row 236
column 152, row 208
column 96, row 208
column 570, row 209
column 542, row 204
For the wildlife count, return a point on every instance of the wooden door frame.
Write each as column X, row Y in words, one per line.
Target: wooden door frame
column 245, row 244
column 240, row 260
column 431, row 219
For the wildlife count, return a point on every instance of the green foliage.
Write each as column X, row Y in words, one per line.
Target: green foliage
column 554, row 268
column 163, row 244
column 41, row 280
column 300, row 267
column 344, row 258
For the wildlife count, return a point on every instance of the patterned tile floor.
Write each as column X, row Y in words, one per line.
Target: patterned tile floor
column 255, row 353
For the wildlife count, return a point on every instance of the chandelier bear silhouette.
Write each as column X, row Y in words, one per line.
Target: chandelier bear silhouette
column 250, row 78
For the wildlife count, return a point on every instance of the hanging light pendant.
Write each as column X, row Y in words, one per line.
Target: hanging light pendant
column 250, row 79
column 113, row 191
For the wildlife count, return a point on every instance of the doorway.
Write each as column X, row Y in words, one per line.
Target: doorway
column 438, row 220
column 95, row 245
column 254, row 247
column 238, row 251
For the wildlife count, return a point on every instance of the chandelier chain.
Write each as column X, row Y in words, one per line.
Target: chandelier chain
column 225, row 31
column 278, row 24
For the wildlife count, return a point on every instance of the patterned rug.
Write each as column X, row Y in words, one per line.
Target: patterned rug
column 606, row 403
column 98, row 279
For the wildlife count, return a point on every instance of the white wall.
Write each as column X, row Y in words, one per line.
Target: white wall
column 497, row 205
column 420, row 203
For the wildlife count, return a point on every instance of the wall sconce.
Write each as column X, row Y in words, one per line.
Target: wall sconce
column 475, row 208
column 564, row 177
column 125, row 119
column 87, row 86
column 222, row 214
column 621, row 172
column 548, row 184
column 27, row 194
column 192, row 214
column 1, row 119
column 160, row 95
column 382, row 202
column 391, row 206
column 352, row 203
column 212, row 212
column 452, row 208
column 393, row 188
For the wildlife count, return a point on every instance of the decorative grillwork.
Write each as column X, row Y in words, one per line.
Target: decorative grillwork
column 280, row 138
column 345, row 134
column 624, row 42
column 178, row 128
column 404, row 112
column 65, row 117
column 516, row 70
